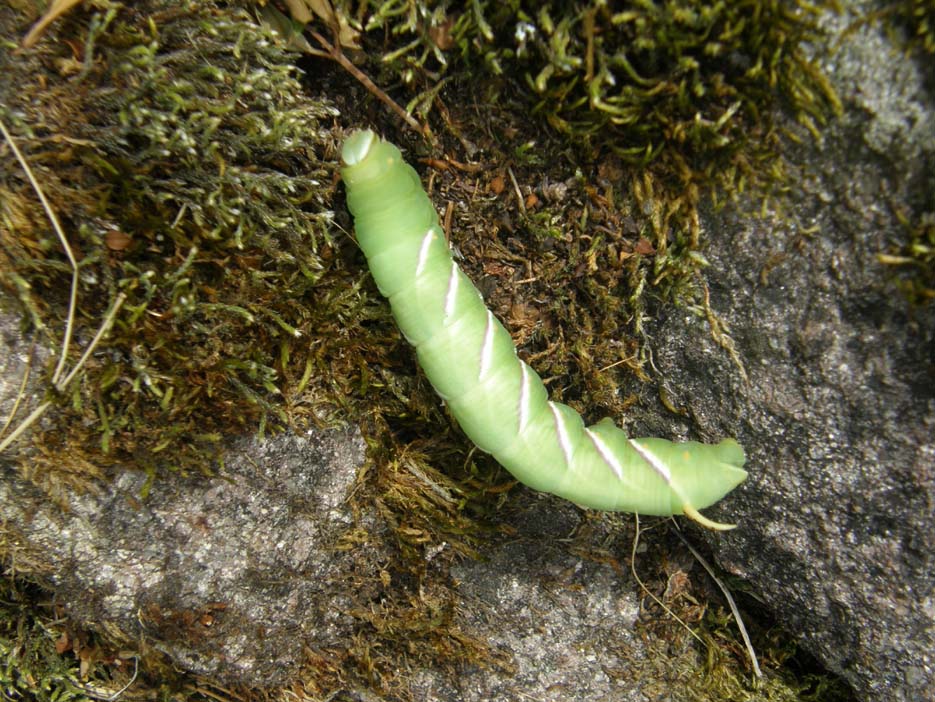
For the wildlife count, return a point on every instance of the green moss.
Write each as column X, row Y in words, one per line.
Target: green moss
column 916, row 18
column 182, row 161
column 39, row 658
column 678, row 99
column 923, row 22
column 914, row 261
column 688, row 84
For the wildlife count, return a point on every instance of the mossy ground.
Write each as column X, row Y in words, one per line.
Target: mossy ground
column 32, row 644
column 193, row 178
column 915, row 19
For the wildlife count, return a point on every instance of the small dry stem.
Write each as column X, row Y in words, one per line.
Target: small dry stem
column 59, row 383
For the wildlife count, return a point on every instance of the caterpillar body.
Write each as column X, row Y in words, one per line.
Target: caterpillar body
column 497, row 399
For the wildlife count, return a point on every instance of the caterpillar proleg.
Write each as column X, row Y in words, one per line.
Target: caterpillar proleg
column 498, row 400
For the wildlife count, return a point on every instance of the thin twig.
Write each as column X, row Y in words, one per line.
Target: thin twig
column 519, row 194
column 104, row 328
column 55, row 10
column 22, row 391
column 337, row 55
column 719, row 332
column 50, row 213
column 100, row 694
column 24, row 425
column 446, row 222
column 628, row 359
column 730, row 601
column 636, row 541
column 63, row 385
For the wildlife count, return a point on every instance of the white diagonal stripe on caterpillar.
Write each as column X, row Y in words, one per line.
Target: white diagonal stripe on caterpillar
column 563, row 439
column 452, row 294
column 523, row 398
column 654, row 462
column 365, row 151
column 486, row 353
column 424, row 251
column 605, row 453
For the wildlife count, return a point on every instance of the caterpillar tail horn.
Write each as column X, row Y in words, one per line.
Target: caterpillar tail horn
column 698, row 517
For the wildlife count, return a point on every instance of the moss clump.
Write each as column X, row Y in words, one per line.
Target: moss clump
column 39, row 658
column 685, row 83
column 917, row 19
column 181, row 159
column 678, row 99
column 915, row 259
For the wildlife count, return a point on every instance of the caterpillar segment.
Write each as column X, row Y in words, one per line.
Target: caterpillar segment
column 498, row 400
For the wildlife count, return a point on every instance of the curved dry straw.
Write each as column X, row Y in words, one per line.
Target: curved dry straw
column 58, row 382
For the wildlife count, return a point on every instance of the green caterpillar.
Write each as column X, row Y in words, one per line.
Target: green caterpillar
column 499, row 401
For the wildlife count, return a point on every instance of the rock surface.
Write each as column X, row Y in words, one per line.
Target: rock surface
column 232, row 576
column 564, row 626
column 838, row 516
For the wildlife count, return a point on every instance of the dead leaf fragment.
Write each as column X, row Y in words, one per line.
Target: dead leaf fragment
column 644, row 247
column 117, row 240
column 304, row 11
column 63, row 643
column 441, row 35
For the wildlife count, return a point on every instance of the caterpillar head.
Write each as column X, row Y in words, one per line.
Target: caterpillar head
column 357, row 147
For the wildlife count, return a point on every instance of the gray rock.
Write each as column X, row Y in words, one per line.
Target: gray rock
column 561, row 626
column 567, row 625
column 838, row 516
column 231, row 576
